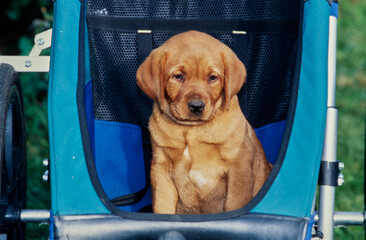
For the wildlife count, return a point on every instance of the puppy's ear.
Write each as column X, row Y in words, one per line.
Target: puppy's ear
column 235, row 74
column 150, row 76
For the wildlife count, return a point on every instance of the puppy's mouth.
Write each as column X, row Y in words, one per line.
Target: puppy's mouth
column 195, row 115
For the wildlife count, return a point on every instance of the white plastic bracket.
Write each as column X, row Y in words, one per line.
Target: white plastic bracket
column 33, row 62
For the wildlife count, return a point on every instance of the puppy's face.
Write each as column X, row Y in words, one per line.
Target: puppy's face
column 191, row 76
column 194, row 85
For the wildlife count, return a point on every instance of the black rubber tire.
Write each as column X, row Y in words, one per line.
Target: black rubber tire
column 12, row 155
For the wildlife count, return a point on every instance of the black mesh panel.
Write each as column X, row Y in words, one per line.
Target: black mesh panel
column 270, row 60
column 114, row 64
column 197, row 9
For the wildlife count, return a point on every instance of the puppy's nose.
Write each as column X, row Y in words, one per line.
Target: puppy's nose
column 196, row 106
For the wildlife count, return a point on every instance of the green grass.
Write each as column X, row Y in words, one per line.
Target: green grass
column 351, row 101
column 349, row 196
column 35, row 105
column 34, row 87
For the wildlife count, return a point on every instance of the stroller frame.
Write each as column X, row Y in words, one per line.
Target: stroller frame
column 330, row 177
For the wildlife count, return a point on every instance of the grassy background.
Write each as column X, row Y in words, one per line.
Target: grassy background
column 351, row 100
column 22, row 18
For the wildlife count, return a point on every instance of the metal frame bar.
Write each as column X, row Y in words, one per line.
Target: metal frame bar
column 340, row 218
column 327, row 218
column 35, row 216
column 346, row 218
column 326, row 192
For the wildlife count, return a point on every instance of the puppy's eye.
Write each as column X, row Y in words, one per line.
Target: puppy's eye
column 212, row 78
column 179, row 77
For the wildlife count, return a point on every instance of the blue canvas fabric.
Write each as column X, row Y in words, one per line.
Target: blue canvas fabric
column 271, row 137
column 270, row 47
column 334, row 9
column 118, row 155
column 293, row 190
column 72, row 190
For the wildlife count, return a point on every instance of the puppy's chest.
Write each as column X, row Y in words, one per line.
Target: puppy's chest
column 199, row 168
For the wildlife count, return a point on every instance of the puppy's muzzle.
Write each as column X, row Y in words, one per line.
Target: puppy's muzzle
column 196, row 106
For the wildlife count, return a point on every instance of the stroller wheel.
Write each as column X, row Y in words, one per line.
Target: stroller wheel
column 12, row 155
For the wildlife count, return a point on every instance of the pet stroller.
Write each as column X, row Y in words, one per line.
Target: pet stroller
column 99, row 143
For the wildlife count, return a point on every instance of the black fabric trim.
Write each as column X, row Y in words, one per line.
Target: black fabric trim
column 294, row 95
column 129, row 199
column 182, row 25
column 144, row 47
column 132, row 25
column 241, row 46
column 144, row 42
column 291, row 111
column 328, row 174
column 89, row 159
column 251, row 226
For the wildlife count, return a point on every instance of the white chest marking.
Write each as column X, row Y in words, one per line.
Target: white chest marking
column 197, row 177
column 186, row 153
